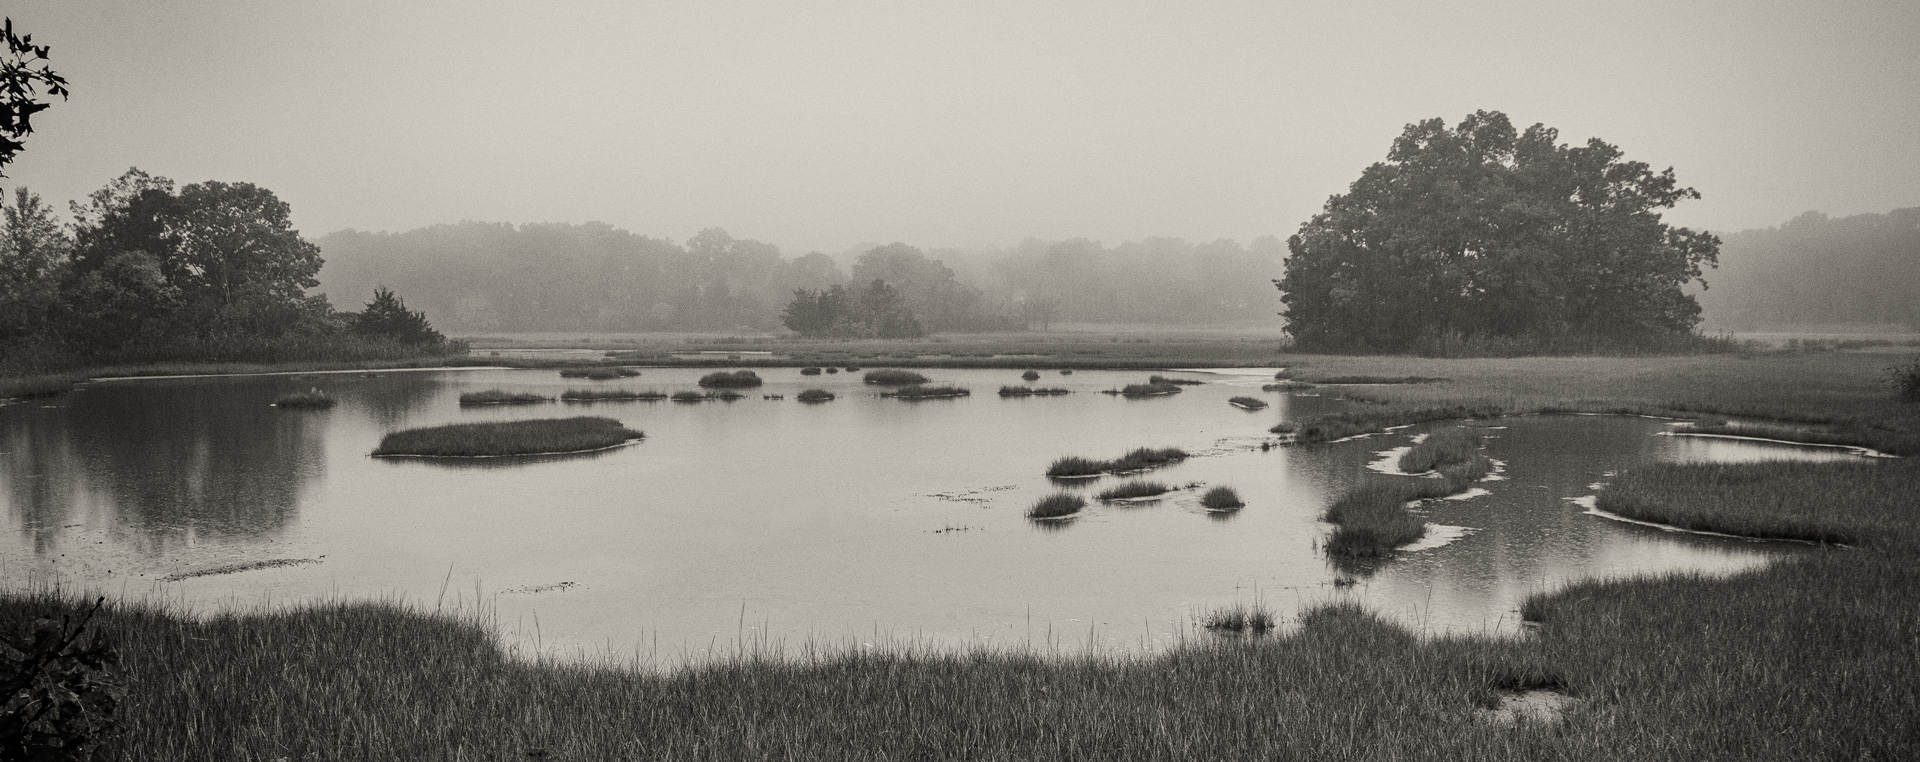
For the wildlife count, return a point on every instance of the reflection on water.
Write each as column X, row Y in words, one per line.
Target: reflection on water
column 861, row 518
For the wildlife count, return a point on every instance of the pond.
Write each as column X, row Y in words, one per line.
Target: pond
column 859, row 521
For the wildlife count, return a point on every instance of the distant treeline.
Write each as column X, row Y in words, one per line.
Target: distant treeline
column 477, row 277
column 1818, row 270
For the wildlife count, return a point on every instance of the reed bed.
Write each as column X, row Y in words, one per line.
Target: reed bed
column 1133, row 490
column 919, row 392
column 312, row 399
column 1817, row 502
column 500, row 397
column 1373, row 520
column 738, row 379
column 1074, row 467
column 1138, row 459
column 1285, row 386
column 1029, row 391
column 1056, row 505
column 530, row 437
column 1173, row 381
column 599, row 373
column 1221, row 499
column 1247, row 403
column 891, row 377
column 1145, row 390
column 612, row 395
column 1240, row 618
column 815, row 395
column 687, row 396
column 1454, row 453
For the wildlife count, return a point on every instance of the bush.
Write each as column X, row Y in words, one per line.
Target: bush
column 1056, row 505
column 738, row 379
column 892, row 377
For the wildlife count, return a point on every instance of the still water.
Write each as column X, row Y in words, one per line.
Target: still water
column 856, row 521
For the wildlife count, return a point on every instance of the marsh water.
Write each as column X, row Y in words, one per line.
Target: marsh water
column 865, row 520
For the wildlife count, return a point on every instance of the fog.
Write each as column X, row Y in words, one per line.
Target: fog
column 976, row 126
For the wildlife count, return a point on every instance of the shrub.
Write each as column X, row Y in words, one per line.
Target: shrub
column 1134, row 490
column 738, row 379
column 1056, row 505
column 1221, row 499
column 533, row 437
column 891, row 377
column 816, row 395
column 1247, row 403
column 500, row 397
column 312, row 399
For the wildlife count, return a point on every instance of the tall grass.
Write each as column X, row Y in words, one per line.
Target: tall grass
column 500, row 397
column 1134, row 490
column 611, row 395
column 530, row 437
column 1074, row 467
column 1146, row 390
column 891, row 377
column 739, row 379
column 1221, row 499
column 1173, row 381
column 1817, row 502
column 1365, row 379
column 1138, row 459
column 1056, row 505
column 1372, row 520
column 599, row 373
column 1240, row 618
column 1454, row 453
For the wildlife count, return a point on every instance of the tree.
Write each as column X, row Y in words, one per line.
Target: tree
column 20, row 83
column 1479, row 232
column 875, row 312
column 33, row 258
column 387, row 317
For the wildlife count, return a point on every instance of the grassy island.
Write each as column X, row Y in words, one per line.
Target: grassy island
column 1139, row 459
column 599, row 373
column 500, row 397
column 891, row 377
column 1134, row 490
column 1056, row 505
column 1030, row 391
column 1221, row 499
column 738, row 379
column 611, row 395
column 1146, row 390
column 1247, row 403
column 544, row 436
column 918, row 392
column 815, row 395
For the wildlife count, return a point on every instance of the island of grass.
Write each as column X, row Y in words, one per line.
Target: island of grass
column 1373, row 520
column 1247, row 403
column 891, row 377
column 1239, row 618
column 919, row 392
column 1056, row 505
column 1221, row 499
column 1174, row 381
column 1139, row 459
column 1028, row 391
column 308, row 400
column 1452, row 453
column 500, row 397
column 611, row 395
column 599, row 373
column 544, row 436
column 1032, row 375
column 1285, row 386
column 1139, row 489
column 737, row 379
column 815, row 395
column 812, row 370
column 1151, row 389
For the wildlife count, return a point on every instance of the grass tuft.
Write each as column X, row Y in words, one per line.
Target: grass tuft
column 1146, row 390
column 1240, row 618
column 918, row 392
column 1056, row 505
column 1134, row 490
column 1032, row 375
column 611, row 395
column 1247, row 403
column 534, row 437
column 1028, row 391
column 1373, row 520
column 1221, row 499
column 810, row 371
column 815, row 395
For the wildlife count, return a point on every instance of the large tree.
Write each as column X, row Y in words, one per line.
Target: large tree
column 23, row 72
column 1482, row 232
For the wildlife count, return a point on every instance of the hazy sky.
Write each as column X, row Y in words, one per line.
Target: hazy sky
column 823, row 125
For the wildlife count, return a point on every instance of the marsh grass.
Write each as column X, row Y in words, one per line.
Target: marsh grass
column 815, row 395
column 599, row 373
column 1144, row 458
column 1221, row 499
column 1173, row 381
column 1285, row 386
column 1146, row 390
column 1074, row 467
column 1453, row 453
column 738, row 379
column 1133, row 490
column 1240, row 618
column 500, row 397
column 687, row 396
column 1030, row 376
column 1363, row 379
column 891, row 377
column 611, row 395
column 810, row 371
column 918, row 392
column 530, row 437
column 1056, row 505
column 1247, row 403
column 1373, row 520
column 1028, row 391
column 312, row 399
column 1847, row 503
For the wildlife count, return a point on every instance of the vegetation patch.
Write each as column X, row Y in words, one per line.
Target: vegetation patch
column 500, row 397
column 1143, row 458
column 1221, row 499
column 1028, row 391
column 1333, row 380
column 1134, row 490
column 1285, row 386
column 918, row 392
column 1247, row 403
column 1145, row 390
column 1174, row 381
column 738, row 379
column 599, row 373
column 1056, row 505
column 1032, row 375
column 815, row 395
column 1816, row 502
column 891, row 377
column 1454, row 453
column 810, row 371
column 1075, row 467
column 1240, row 618
column 313, row 399
column 1373, row 520
column 611, row 395
column 535, row 437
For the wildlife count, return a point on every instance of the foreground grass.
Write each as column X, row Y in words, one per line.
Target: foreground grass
column 532, row 437
column 1816, row 502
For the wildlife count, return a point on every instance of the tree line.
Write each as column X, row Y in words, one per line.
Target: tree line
column 146, row 270
column 1820, row 270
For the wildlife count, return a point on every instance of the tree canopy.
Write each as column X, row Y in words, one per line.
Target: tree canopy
column 1480, row 232
column 23, row 72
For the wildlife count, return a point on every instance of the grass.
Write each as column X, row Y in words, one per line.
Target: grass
column 815, row 395
column 1452, row 452
column 500, row 397
column 685, row 396
column 1146, row 390
column 312, row 399
column 1285, row 386
column 1816, row 502
column 1134, row 490
column 810, row 371
column 892, row 377
column 1373, row 520
column 1075, row 467
column 1056, row 505
column 1031, row 375
column 1028, row 391
column 1221, row 499
column 1173, row 381
column 1248, row 403
column 918, row 392
column 611, row 395
column 738, row 379
column 1143, row 458
column 599, row 373
column 1363, row 379
column 531, row 437
column 1240, row 618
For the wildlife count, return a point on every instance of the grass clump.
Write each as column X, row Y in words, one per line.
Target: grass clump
column 1373, row 520
column 500, row 397
column 738, row 379
column 1247, row 403
column 1221, row 499
column 312, row 399
column 1075, row 467
column 534, row 437
column 1134, row 490
column 1032, row 375
column 815, row 395
column 611, row 395
column 1056, row 505
column 686, row 396
column 1454, row 453
column 599, row 373
column 1146, row 390
column 810, row 371
column 891, row 377
column 1285, row 386
column 1337, row 426
column 1143, row 458
column 1029, row 391
column 1239, row 618
column 919, row 392
column 1173, row 381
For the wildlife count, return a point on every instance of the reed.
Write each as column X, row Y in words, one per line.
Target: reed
column 1221, row 499
column 1074, row 467
column 1240, row 618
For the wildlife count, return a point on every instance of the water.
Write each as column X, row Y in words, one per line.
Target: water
column 858, row 520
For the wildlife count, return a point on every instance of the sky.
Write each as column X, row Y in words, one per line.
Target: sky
column 826, row 125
